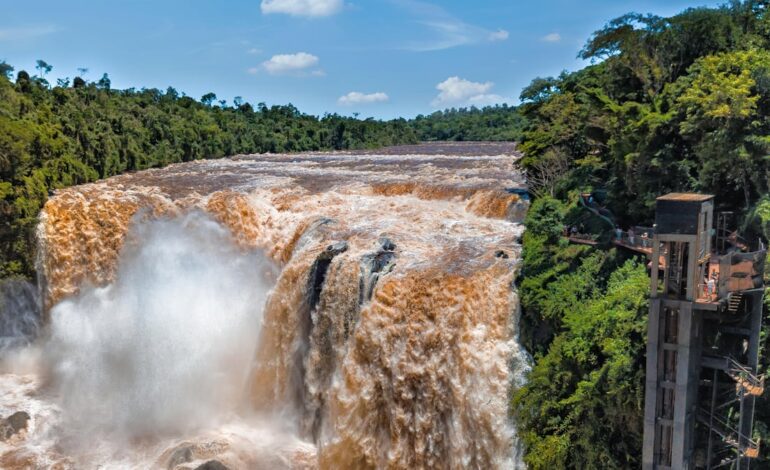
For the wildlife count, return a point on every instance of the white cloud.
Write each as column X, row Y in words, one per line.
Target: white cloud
column 356, row 97
column 289, row 63
column 445, row 30
column 499, row 35
column 552, row 37
column 254, row 51
column 302, row 7
column 448, row 33
column 458, row 91
column 253, row 71
column 25, row 32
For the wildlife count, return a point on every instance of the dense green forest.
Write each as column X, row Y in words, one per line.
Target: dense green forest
column 668, row 104
column 498, row 123
column 78, row 131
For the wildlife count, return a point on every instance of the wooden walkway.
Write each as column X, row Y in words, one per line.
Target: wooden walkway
column 582, row 241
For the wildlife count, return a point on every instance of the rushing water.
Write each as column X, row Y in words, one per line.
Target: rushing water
column 332, row 311
column 20, row 314
column 167, row 347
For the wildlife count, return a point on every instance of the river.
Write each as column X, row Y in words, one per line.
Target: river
column 346, row 310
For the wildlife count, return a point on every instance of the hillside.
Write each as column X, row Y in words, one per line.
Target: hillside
column 54, row 137
column 669, row 104
column 490, row 123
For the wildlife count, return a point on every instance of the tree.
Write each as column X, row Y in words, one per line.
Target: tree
column 104, row 83
column 43, row 68
column 208, row 98
column 582, row 406
column 539, row 89
column 6, row 70
column 546, row 172
column 172, row 93
column 53, row 138
column 546, row 218
column 237, row 101
column 23, row 81
column 721, row 99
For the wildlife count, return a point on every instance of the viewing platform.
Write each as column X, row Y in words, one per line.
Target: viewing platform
column 703, row 337
column 638, row 240
column 728, row 261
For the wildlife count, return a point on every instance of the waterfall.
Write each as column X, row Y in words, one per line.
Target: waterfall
column 360, row 314
column 166, row 347
column 19, row 314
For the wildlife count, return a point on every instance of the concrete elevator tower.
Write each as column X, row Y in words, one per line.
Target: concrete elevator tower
column 703, row 341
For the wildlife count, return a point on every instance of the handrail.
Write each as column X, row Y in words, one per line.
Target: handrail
column 636, row 241
column 596, row 210
column 753, row 384
column 702, row 292
column 729, row 434
column 738, row 365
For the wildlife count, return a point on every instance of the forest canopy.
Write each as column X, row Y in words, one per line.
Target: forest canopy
column 76, row 131
column 668, row 104
column 491, row 123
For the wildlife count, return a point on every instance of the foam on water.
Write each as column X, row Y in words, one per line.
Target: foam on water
column 395, row 349
column 164, row 349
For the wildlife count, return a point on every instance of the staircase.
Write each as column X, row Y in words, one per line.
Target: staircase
column 597, row 210
column 734, row 301
column 747, row 447
column 745, row 379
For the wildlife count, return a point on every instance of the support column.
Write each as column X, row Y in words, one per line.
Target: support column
column 651, row 385
column 681, row 447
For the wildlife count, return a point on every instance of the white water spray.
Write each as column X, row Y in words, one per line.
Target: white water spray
column 19, row 314
column 148, row 370
column 165, row 349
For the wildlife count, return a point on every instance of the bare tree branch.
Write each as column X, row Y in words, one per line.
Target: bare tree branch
column 547, row 171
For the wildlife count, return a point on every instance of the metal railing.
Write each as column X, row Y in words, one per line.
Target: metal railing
column 704, row 295
column 740, row 271
column 744, row 444
column 634, row 239
column 744, row 376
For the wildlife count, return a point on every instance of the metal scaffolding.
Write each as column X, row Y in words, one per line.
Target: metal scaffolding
column 703, row 340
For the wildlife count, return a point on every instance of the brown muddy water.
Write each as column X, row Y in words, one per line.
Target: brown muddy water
column 349, row 310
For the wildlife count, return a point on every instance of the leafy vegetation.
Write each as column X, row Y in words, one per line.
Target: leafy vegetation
column 668, row 104
column 496, row 123
column 73, row 133
column 673, row 103
column 585, row 322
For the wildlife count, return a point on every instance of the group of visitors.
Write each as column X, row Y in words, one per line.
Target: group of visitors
column 645, row 238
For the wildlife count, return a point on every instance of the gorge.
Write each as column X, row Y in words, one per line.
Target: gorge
column 320, row 310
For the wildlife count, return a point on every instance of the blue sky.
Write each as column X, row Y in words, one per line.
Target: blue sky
column 381, row 58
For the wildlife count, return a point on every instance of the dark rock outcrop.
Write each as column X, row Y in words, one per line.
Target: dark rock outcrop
column 386, row 244
column 374, row 266
column 319, row 269
column 13, row 424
